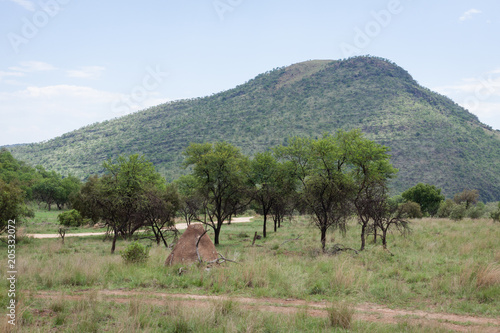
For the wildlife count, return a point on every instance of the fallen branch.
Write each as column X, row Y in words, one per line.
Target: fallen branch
column 341, row 248
column 220, row 260
column 290, row 240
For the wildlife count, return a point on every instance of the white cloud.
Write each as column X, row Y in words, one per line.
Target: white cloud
column 7, row 74
column 28, row 5
column 88, row 72
column 32, row 66
column 468, row 14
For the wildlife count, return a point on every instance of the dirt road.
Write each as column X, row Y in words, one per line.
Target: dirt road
column 364, row 312
column 179, row 226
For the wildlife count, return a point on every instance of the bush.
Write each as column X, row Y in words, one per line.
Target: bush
column 71, row 218
column 458, row 212
column 496, row 214
column 476, row 211
column 412, row 210
column 445, row 208
column 135, row 253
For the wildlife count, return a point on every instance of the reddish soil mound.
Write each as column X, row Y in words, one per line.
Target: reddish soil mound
column 185, row 249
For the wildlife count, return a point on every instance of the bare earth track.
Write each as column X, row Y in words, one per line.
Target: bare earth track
column 363, row 312
column 179, row 226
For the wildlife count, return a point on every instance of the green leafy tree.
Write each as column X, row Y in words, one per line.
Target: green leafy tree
column 47, row 189
column 272, row 183
column 12, row 206
column 118, row 196
column 326, row 187
column 427, row 196
column 67, row 188
column 221, row 171
column 372, row 170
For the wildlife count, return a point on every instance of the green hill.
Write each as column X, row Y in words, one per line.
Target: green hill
column 433, row 140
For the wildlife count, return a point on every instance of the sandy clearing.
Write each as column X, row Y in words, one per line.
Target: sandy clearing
column 179, row 226
column 364, row 312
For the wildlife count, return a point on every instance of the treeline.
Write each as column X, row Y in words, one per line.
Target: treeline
column 332, row 178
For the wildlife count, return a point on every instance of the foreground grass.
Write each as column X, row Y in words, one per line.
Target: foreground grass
column 442, row 266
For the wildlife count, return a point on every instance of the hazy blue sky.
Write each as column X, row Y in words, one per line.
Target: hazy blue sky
column 67, row 63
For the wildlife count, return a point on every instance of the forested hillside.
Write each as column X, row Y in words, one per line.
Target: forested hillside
column 433, row 140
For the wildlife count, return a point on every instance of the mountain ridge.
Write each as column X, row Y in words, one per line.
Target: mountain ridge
column 432, row 139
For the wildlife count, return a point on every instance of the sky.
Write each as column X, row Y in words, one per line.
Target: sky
column 67, row 63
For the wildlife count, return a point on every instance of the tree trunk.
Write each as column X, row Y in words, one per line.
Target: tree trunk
column 264, row 227
column 115, row 236
column 384, row 238
column 323, row 239
column 374, row 234
column 216, row 233
column 275, row 224
column 363, row 231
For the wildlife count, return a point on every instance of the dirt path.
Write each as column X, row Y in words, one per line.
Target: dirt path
column 179, row 226
column 363, row 312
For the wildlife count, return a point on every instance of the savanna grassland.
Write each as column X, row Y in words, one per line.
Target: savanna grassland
column 284, row 283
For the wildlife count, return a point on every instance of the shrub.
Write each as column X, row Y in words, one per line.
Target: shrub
column 458, row 212
column 412, row 210
column 496, row 214
column 71, row 218
column 135, row 253
column 476, row 211
column 445, row 208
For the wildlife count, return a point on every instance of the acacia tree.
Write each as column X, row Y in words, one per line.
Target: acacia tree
column 157, row 209
column 371, row 170
column 386, row 214
column 326, row 186
column 118, row 196
column 272, row 184
column 221, row 173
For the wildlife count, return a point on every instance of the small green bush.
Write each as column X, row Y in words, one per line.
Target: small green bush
column 412, row 210
column 71, row 218
column 477, row 211
column 135, row 253
column 496, row 214
column 445, row 208
column 458, row 212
